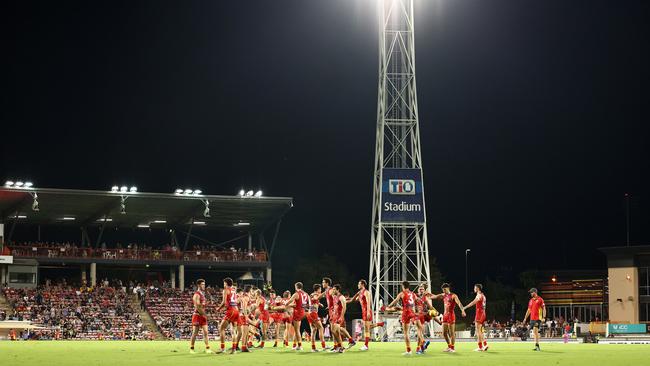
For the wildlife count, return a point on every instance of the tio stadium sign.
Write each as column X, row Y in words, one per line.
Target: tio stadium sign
column 401, row 196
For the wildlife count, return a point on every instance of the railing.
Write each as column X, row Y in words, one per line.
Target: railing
column 138, row 254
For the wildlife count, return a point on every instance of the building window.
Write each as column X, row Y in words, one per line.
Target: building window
column 644, row 281
column 22, row 277
column 644, row 312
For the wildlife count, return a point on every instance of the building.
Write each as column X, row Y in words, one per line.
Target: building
column 237, row 235
column 629, row 283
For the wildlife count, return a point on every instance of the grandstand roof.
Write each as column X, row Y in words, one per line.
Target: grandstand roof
column 70, row 207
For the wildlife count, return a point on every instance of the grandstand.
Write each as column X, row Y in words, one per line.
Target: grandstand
column 127, row 275
column 199, row 232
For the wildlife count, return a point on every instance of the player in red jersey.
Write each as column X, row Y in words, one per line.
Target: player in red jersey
column 263, row 315
column 275, row 303
column 537, row 312
column 244, row 313
column 328, row 294
column 426, row 312
column 231, row 304
column 479, row 320
column 300, row 302
column 199, row 318
column 314, row 321
column 286, row 310
column 365, row 300
column 338, row 317
column 450, row 301
column 287, row 319
column 407, row 299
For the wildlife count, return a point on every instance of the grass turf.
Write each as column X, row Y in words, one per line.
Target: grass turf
column 125, row 353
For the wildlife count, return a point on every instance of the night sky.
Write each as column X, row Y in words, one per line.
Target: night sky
column 534, row 116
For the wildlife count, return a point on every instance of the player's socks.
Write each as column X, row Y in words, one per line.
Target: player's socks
column 235, row 345
column 322, row 343
column 452, row 346
column 299, row 344
column 480, row 345
column 366, row 341
column 380, row 324
column 408, row 349
column 313, row 345
column 484, row 344
column 223, row 346
column 192, row 348
column 350, row 340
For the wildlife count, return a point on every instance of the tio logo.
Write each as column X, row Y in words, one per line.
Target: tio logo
column 401, row 186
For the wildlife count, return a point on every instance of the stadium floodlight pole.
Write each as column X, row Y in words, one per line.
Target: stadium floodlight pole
column 399, row 248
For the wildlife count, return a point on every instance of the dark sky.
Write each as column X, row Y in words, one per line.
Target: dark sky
column 534, row 116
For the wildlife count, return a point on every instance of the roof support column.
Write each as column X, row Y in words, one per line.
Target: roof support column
column 93, row 274
column 3, row 273
column 181, row 277
column 268, row 274
column 250, row 242
column 172, row 277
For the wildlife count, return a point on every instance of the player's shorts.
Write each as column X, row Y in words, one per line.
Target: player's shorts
column 277, row 317
column 480, row 318
column 535, row 323
column 449, row 318
column 424, row 317
column 336, row 319
column 265, row 316
column 286, row 319
column 298, row 315
column 242, row 320
column 313, row 318
column 366, row 316
column 199, row 320
column 408, row 317
column 232, row 315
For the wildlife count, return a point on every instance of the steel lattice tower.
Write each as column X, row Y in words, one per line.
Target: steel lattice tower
column 399, row 248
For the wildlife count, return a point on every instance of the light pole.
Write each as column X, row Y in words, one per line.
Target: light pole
column 466, row 272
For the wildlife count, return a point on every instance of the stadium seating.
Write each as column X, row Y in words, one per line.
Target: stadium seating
column 133, row 252
column 79, row 313
column 172, row 310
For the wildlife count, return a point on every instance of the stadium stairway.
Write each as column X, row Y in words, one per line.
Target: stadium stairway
column 146, row 319
column 4, row 304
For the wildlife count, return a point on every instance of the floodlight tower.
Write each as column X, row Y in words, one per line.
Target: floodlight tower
column 398, row 249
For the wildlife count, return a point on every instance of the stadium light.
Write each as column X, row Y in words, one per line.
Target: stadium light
column 28, row 184
column 21, row 216
column 115, row 188
column 105, row 220
column 198, row 223
column 258, row 194
column 9, row 183
column 68, row 218
column 187, row 191
column 143, row 226
column 197, row 192
column 133, row 189
column 19, row 184
column 242, row 193
column 178, row 191
column 160, row 221
column 124, row 189
column 242, row 224
column 250, row 194
column 553, row 279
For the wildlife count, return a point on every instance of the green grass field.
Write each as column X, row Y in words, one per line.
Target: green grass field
column 126, row 353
